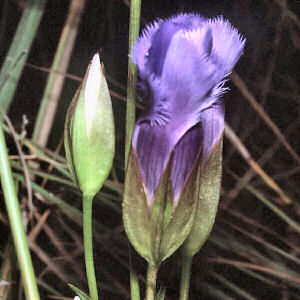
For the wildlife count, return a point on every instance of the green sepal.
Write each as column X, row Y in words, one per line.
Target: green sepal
column 156, row 232
column 67, row 135
column 181, row 222
column 140, row 224
column 210, row 183
column 82, row 295
column 158, row 213
column 90, row 151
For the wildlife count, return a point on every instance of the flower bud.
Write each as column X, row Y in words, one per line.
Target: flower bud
column 89, row 131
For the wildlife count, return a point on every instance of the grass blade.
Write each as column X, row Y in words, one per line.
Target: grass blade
column 15, row 60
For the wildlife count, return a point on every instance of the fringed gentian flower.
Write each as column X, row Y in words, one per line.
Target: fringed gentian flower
column 183, row 63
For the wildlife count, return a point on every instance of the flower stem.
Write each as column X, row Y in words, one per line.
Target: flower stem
column 88, row 246
column 185, row 277
column 16, row 224
column 151, row 281
column 134, row 280
column 134, row 27
column 134, row 285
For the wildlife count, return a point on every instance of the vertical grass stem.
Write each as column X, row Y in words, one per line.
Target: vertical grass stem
column 18, row 52
column 134, row 27
column 16, row 224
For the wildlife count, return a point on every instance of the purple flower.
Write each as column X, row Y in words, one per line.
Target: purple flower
column 183, row 62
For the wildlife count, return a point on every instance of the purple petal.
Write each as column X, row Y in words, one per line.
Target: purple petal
column 185, row 86
column 141, row 48
column 160, row 42
column 212, row 121
column 161, row 39
column 185, row 50
column 189, row 20
column 153, row 148
column 151, row 47
column 185, row 156
column 189, row 73
column 198, row 61
column 228, row 45
column 183, row 63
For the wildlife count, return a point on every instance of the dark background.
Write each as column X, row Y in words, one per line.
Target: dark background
column 269, row 68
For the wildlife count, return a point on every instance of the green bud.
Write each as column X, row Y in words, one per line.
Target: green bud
column 89, row 131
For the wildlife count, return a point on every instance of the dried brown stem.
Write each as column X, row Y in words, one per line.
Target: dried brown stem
column 240, row 84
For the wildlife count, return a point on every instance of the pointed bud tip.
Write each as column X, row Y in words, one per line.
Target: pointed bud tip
column 95, row 63
column 94, row 73
column 92, row 90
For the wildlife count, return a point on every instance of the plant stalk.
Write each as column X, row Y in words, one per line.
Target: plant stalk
column 151, row 282
column 16, row 224
column 88, row 246
column 134, row 280
column 134, row 27
column 185, row 277
column 134, row 285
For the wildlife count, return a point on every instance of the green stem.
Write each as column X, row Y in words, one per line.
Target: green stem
column 151, row 282
column 134, row 27
column 185, row 277
column 134, row 285
column 88, row 246
column 17, row 228
column 134, row 280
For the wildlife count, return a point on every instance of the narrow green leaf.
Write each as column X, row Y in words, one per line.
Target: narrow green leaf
column 17, row 55
column 82, row 295
column 16, row 223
